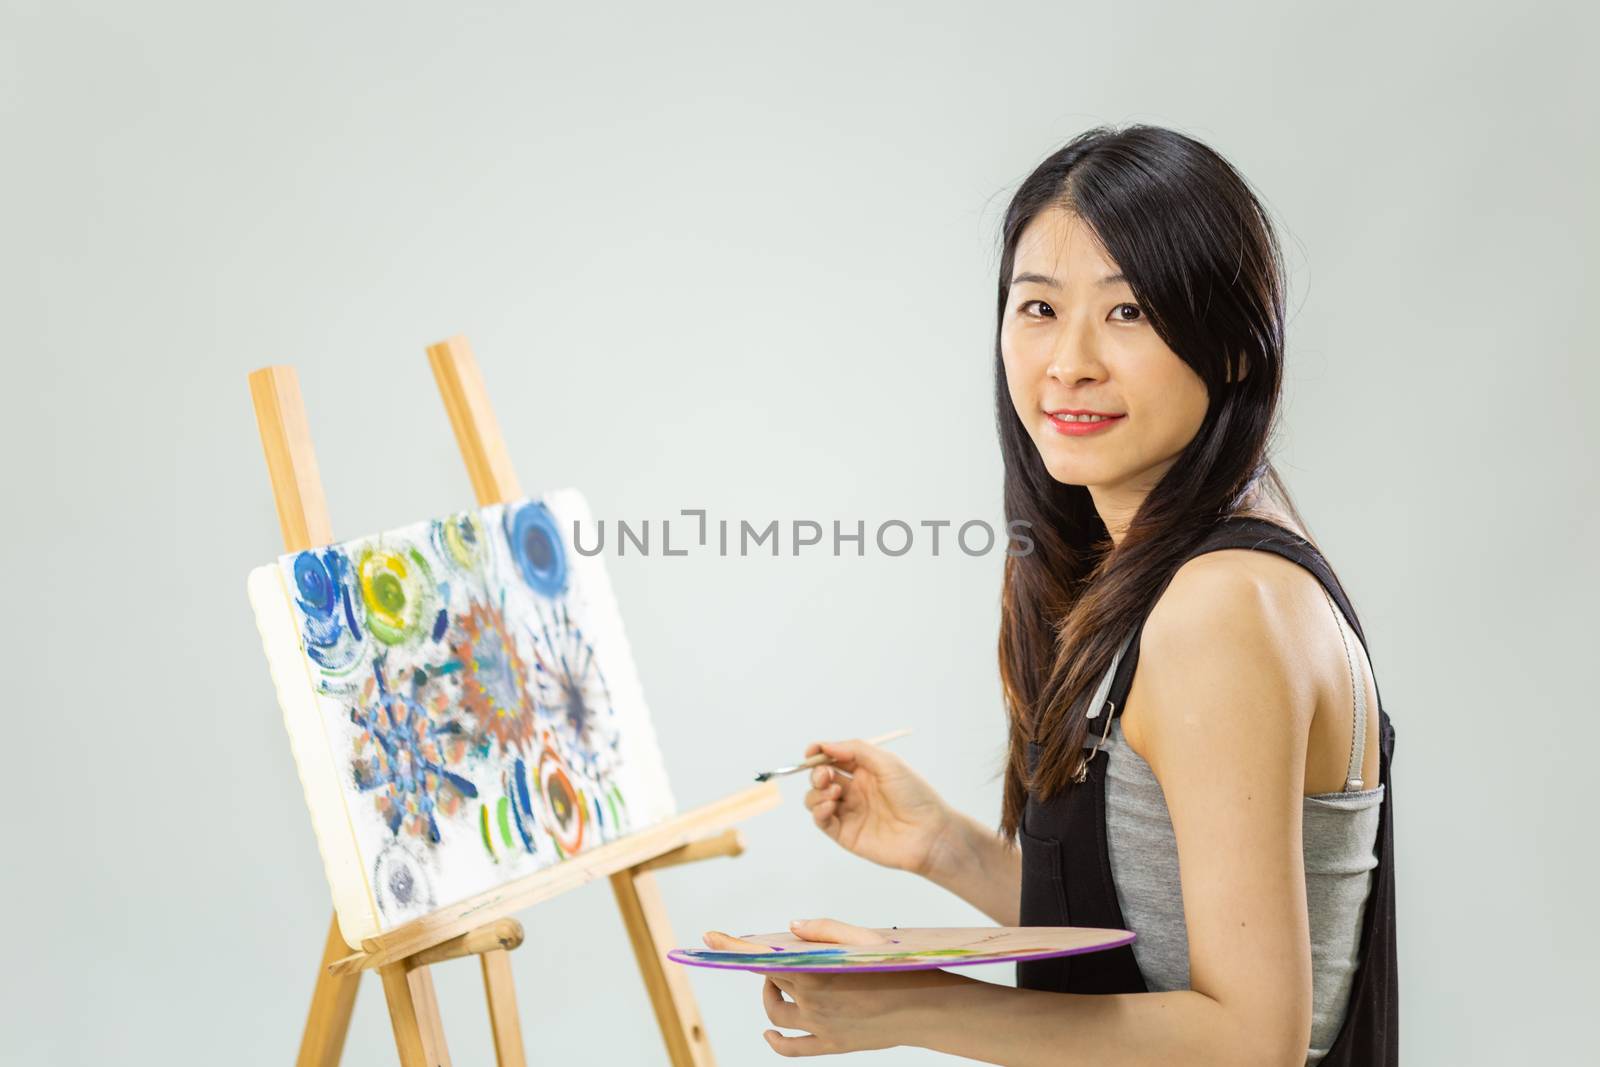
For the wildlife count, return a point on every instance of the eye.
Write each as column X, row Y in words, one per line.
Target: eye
column 1026, row 304
column 1126, row 313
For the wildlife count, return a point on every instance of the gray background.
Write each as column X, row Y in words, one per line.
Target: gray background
column 744, row 260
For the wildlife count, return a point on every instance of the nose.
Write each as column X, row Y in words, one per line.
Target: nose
column 1075, row 357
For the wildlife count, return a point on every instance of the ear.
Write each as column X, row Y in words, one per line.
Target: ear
column 1238, row 371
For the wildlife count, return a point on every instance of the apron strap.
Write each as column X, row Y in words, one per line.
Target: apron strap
column 1358, row 736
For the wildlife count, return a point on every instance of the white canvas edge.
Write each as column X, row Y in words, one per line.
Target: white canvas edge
column 353, row 903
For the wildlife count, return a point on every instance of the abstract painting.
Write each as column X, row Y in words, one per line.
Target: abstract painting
column 462, row 704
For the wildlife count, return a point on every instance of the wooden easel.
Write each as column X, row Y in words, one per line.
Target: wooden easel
column 482, row 926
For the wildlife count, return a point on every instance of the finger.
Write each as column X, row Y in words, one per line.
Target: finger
column 806, row 1045
column 818, row 796
column 784, row 980
column 821, row 776
column 848, row 755
column 844, row 754
column 823, row 813
column 856, row 754
column 718, row 941
column 836, row 932
column 782, row 1012
column 833, row 790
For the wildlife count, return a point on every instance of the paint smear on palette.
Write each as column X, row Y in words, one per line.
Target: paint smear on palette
column 910, row 948
column 479, row 697
column 836, row 957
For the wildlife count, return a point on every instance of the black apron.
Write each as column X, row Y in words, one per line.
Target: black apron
column 1066, row 871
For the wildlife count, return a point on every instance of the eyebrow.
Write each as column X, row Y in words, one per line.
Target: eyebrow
column 1045, row 279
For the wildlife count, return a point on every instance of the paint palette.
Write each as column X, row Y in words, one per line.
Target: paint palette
column 911, row 949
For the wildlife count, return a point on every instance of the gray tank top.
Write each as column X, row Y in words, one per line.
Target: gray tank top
column 1339, row 832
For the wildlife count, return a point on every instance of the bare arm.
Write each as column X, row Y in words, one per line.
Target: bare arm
column 1226, row 710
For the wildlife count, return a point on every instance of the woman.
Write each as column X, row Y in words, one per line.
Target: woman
column 1186, row 682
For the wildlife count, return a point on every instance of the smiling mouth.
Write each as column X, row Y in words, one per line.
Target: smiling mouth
column 1079, row 423
column 1082, row 414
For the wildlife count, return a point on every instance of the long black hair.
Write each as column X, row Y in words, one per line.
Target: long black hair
column 1199, row 252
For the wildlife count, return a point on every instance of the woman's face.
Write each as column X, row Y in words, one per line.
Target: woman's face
column 1074, row 340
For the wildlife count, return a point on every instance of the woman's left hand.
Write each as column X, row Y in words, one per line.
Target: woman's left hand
column 839, row 1012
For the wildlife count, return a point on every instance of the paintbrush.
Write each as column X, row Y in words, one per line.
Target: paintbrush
column 820, row 758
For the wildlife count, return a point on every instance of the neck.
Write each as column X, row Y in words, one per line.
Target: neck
column 1118, row 504
column 1115, row 511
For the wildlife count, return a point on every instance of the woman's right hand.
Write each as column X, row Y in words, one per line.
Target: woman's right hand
column 878, row 808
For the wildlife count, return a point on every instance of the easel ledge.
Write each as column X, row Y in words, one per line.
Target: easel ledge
column 669, row 843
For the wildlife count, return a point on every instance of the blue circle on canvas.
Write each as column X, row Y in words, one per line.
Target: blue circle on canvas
column 536, row 545
column 315, row 585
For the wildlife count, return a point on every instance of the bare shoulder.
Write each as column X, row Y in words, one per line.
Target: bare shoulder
column 1236, row 593
column 1223, row 653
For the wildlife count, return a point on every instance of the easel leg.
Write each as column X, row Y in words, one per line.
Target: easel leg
column 501, row 993
column 332, row 1001
column 670, row 994
column 414, row 1011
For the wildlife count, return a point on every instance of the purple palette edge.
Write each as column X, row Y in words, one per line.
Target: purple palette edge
column 749, row 961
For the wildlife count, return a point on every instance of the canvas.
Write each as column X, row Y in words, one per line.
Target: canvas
column 462, row 705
